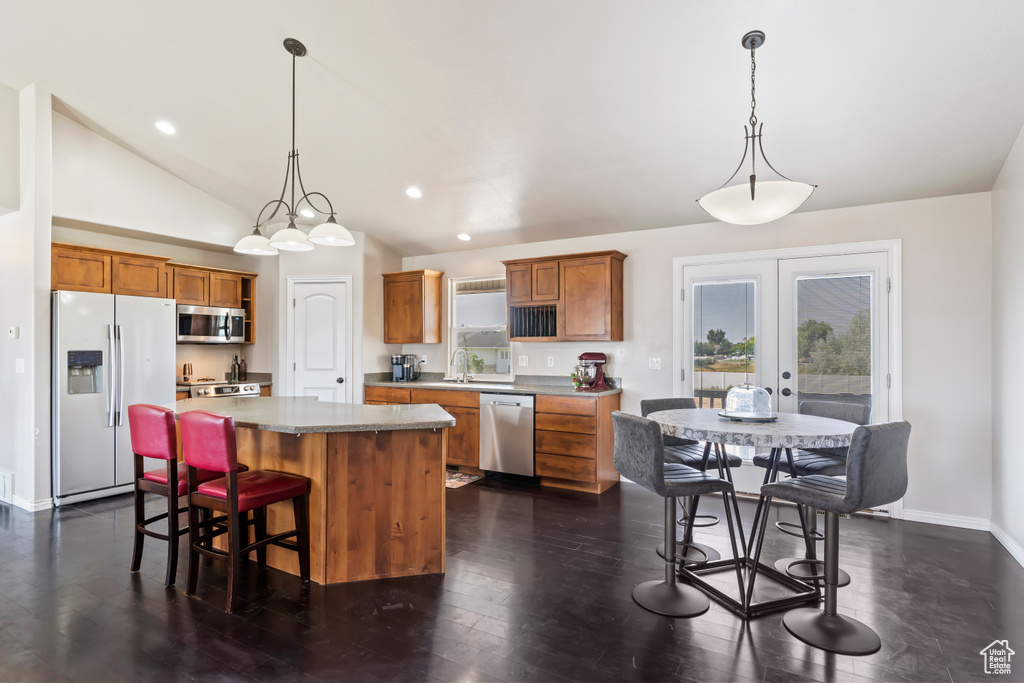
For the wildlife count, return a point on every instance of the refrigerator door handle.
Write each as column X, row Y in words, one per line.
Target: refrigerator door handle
column 120, row 375
column 111, row 385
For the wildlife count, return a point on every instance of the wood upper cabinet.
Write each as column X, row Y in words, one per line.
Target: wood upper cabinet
column 79, row 271
column 575, row 297
column 225, row 290
column 138, row 276
column 519, row 283
column 412, row 307
column 192, row 286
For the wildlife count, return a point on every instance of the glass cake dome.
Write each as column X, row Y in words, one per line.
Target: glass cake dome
column 748, row 400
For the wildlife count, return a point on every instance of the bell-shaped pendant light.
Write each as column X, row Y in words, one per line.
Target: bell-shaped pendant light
column 755, row 201
column 330, row 234
column 255, row 245
column 291, row 238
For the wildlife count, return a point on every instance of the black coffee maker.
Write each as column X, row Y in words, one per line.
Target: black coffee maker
column 405, row 367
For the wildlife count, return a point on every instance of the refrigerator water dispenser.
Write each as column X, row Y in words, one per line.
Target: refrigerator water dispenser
column 85, row 372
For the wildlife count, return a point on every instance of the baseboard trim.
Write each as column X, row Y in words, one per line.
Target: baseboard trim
column 1012, row 547
column 959, row 521
column 32, row 505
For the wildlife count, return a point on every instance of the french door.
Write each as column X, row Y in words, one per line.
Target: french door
column 812, row 328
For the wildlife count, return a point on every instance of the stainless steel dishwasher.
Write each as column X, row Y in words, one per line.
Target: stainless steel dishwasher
column 506, row 433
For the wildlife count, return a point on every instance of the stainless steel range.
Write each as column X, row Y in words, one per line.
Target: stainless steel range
column 225, row 390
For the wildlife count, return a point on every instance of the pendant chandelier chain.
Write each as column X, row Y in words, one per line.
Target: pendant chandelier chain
column 753, row 100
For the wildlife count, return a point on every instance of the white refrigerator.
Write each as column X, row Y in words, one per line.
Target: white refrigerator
column 109, row 351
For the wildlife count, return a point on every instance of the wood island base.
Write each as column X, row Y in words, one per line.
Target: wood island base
column 377, row 500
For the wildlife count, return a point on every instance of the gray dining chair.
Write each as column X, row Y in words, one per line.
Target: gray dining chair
column 829, row 462
column 876, row 474
column 640, row 457
column 690, row 453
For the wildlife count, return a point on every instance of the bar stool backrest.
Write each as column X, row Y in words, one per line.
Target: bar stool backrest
column 876, row 469
column 639, row 453
column 152, row 431
column 653, row 405
column 856, row 413
column 208, row 441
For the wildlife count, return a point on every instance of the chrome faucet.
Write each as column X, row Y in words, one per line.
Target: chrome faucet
column 466, row 377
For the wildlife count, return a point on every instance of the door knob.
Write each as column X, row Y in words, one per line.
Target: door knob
column 786, row 375
column 786, row 391
column 340, row 380
column 769, row 390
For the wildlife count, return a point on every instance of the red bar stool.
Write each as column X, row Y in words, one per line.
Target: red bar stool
column 209, row 443
column 152, row 432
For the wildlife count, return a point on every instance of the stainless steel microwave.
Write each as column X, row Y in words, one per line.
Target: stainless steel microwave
column 210, row 325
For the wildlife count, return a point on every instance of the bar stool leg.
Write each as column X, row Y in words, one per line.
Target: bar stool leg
column 668, row 597
column 193, row 554
column 809, row 566
column 300, row 505
column 260, row 517
column 140, row 518
column 235, row 531
column 825, row 628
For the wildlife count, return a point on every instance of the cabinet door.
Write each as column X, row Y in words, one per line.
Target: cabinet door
column 79, row 271
column 225, row 290
column 192, row 286
column 138, row 276
column 265, row 391
column 545, row 281
column 586, row 311
column 403, row 311
column 464, row 437
column 519, row 283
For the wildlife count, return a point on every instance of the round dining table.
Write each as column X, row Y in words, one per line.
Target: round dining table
column 781, row 436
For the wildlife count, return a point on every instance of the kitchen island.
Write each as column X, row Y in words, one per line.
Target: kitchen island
column 376, row 501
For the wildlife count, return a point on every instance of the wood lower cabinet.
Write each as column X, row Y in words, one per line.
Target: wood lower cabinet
column 574, row 442
column 464, row 437
column 225, row 290
column 265, row 391
column 412, row 307
column 575, row 297
column 180, row 395
column 192, row 286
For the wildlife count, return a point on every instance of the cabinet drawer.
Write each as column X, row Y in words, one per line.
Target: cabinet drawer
column 579, row 424
column 563, row 467
column 447, row 397
column 566, row 405
column 386, row 394
column 566, row 443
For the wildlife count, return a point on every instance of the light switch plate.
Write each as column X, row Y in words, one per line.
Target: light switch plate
column 19, row 365
column 14, row 332
column 551, row 361
column 524, row 361
column 654, row 364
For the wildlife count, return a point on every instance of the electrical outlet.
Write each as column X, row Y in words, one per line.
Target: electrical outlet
column 654, row 364
column 524, row 361
column 19, row 365
column 551, row 361
column 423, row 358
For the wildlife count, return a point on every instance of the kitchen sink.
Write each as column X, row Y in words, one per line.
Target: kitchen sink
column 469, row 385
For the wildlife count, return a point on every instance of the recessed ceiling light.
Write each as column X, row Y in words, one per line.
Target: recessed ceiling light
column 308, row 213
column 464, row 237
column 165, row 127
column 414, row 192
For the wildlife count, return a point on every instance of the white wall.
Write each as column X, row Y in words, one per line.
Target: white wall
column 10, row 158
column 947, row 257
column 1007, row 357
column 364, row 261
column 25, row 287
column 100, row 182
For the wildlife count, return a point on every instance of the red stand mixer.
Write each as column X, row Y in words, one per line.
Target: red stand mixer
column 590, row 372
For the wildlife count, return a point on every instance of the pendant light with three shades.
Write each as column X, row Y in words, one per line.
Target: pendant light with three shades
column 329, row 233
column 768, row 199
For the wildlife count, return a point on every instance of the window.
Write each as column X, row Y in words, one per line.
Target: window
column 477, row 315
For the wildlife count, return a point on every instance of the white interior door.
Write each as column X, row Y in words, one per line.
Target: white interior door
column 321, row 341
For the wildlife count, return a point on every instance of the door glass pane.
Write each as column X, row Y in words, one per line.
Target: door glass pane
column 834, row 338
column 724, row 348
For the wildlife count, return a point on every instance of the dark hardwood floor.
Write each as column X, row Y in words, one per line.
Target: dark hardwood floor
column 537, row 589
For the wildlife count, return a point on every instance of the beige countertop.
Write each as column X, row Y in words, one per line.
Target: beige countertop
column 303, row 415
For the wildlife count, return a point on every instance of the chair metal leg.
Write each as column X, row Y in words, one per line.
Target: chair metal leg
column 809, row 567
column 668, row 597
column 825, row 628
column 688, row 551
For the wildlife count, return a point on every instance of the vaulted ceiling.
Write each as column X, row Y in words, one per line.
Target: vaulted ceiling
column 536, row 119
